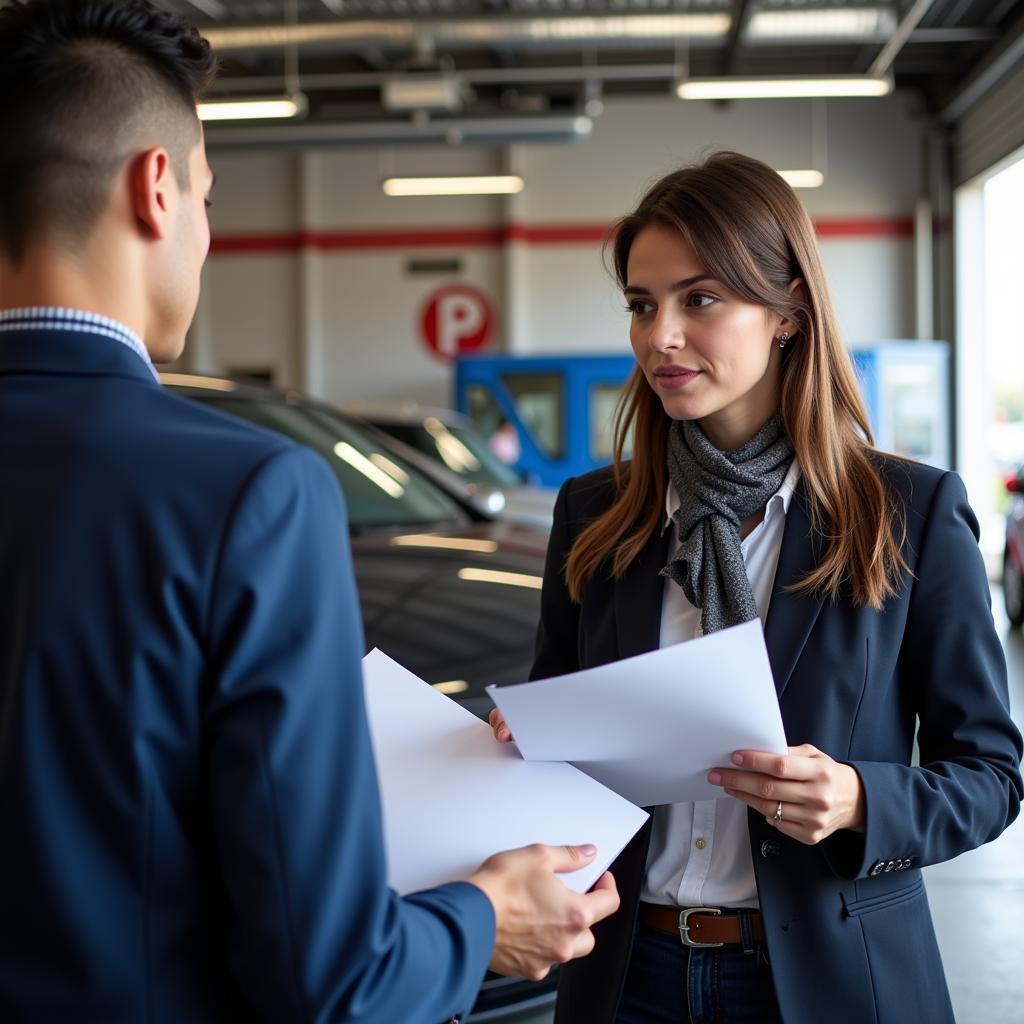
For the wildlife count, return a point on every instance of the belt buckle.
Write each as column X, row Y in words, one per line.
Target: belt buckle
column 685, row 926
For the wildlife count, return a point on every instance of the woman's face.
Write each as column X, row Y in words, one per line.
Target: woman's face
column 709, row 355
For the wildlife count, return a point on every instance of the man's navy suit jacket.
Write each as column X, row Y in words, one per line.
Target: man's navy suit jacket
column 849, row 934
column 189, row 820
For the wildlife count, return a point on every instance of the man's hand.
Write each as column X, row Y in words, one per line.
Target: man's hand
column 539, row 920
column 819, row 796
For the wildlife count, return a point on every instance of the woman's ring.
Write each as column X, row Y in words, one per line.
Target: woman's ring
column 777, row 816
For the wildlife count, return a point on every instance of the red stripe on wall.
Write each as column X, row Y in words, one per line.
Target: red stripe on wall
column 866, row 227
column 541, row 234
column 557, row 234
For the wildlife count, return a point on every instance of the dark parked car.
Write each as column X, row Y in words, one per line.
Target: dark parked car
column 459, row 458
column 1013, row 553
column 445, row 590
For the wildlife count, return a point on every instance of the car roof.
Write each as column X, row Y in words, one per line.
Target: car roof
column 404, row 412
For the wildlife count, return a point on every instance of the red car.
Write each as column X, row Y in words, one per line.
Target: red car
column 1013, row 553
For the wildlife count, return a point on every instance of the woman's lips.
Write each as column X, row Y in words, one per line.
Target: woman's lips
column 672, row 378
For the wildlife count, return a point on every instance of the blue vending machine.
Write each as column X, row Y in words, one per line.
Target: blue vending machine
column 907, row 391
column 561, row 407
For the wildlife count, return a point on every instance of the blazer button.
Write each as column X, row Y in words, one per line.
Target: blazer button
column 890, row 865
column 907, row 861
column 771, row 848
column 877, row 868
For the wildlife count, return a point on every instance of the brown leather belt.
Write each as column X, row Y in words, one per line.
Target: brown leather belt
column 701, row 926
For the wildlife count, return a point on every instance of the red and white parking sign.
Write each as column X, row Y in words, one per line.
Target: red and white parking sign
column 456, row 318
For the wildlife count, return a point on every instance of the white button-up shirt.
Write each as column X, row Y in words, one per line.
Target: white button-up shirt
column 700, row 852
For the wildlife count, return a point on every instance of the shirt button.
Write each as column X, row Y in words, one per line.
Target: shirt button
column 701, row 843
column 770, row 848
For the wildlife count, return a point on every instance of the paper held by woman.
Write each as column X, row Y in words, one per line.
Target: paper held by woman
column 452, row 795
column 652, row 726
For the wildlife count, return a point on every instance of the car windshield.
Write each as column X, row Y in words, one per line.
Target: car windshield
column 456, row 447
column 380, row 489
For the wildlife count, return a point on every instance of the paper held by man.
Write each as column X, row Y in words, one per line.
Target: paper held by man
column 651, row 727
column 452, row 795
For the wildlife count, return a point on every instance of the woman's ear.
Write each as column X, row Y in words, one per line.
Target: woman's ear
column 798, row 290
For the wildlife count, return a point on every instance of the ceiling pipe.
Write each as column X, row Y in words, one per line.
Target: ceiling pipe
column 451, row 131
column 473, row 76
column 1000, row 60
column 492, row 31
column 884, row 61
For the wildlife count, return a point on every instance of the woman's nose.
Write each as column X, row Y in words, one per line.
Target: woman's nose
column 666, row 332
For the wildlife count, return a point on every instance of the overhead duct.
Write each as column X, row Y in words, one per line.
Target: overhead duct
column 451, row 131
column 314, row 81
column 493, row 31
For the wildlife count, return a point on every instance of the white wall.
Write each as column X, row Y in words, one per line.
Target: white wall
column 340, row 316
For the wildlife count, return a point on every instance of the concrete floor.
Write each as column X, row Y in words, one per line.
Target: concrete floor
column 977, row 901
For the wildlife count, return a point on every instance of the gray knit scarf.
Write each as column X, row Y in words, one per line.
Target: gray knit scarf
column 717, row 491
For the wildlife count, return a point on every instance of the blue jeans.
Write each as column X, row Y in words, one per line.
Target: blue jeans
column 669, row 983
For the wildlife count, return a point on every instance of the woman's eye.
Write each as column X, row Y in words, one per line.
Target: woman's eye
column 700, row 300
column 638, row 307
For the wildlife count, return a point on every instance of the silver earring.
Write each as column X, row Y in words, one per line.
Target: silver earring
column 783, row 338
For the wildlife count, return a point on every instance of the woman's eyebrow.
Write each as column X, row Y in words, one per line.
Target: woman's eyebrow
column 632, row 289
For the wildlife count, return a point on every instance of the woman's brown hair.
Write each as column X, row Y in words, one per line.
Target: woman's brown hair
column 750, row 231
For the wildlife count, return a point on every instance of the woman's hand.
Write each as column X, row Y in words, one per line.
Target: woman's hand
column 819, row 796
column 502, row 733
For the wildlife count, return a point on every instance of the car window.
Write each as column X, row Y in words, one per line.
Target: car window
column 457, row 448
column 380, row 489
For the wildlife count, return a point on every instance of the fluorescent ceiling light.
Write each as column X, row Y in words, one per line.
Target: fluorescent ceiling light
column 803, row 179
column 478, row 185
column 845, row 23
column 770, row 87
column 422, row 92
column 626, row 26
column 254, row 108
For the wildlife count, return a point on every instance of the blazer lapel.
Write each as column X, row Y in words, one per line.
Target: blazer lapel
column 791, row 616
column 638, row 597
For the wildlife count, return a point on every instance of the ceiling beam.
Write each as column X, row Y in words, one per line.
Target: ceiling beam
column 1000, row 60
column 884, row 61
column 740, row 17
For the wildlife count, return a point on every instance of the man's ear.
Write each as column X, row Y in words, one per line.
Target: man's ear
column 153, row 191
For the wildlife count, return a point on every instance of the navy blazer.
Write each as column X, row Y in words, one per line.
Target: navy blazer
column 189, row 820
column 849, row 933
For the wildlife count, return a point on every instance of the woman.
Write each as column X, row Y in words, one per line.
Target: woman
column 754, row 491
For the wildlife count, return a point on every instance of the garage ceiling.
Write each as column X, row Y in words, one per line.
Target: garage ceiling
column 509, row 60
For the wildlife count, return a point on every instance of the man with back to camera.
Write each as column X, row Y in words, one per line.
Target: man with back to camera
column 188, row 805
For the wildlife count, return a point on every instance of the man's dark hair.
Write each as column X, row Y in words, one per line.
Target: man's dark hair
column 83, row 85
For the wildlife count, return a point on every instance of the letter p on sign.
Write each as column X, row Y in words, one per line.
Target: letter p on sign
column 456, row 318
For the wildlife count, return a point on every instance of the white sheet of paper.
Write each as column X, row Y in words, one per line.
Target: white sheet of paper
column 452, row 795
column 651, row 727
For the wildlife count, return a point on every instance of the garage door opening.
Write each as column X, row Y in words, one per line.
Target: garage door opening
column 990, row 353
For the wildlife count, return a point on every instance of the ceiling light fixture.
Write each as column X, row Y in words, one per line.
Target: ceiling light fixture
column 422, row 92
column 820, row 23
column 803, row 178
column 475, row 185
column 254, row 108
column 769, row 87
